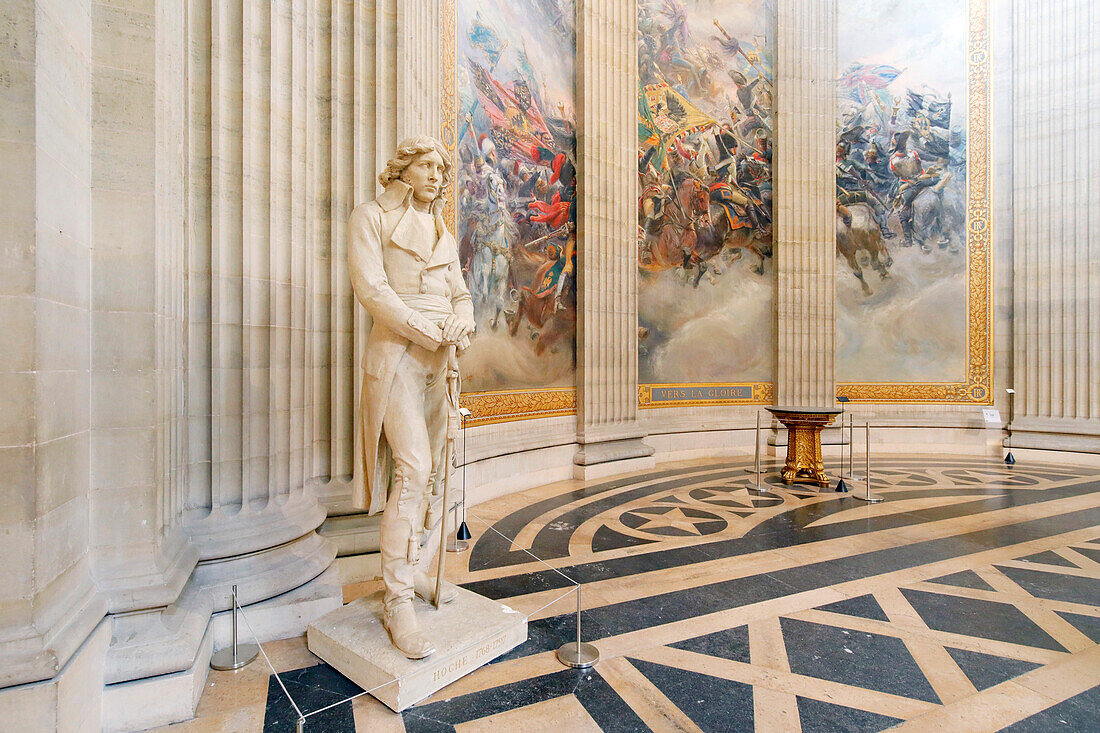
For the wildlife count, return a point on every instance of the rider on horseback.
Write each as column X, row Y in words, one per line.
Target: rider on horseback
column 854, row 187
column 912, row 179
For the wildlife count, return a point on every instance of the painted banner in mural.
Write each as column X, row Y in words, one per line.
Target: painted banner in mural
column 516, row 186
column 705, row 130
column 902, row 180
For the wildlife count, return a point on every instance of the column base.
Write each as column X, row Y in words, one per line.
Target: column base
column 159, row 700
column 613, row 468
column 1054, row 434
column 353, row 534
column 70, row 701
column 612, row 457
column 162, row 699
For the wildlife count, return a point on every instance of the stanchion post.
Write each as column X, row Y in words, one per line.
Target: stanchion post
column 300, row 726
column 1010, row 459
column 578, row 654
column 758, row 488
column 236, row 655
column 756, row 453
column 850, row 475
column 461, row 541
column 851, row 445
column 756, row 464
column 866, row 494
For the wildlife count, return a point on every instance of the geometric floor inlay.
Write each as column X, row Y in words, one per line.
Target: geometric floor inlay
column 987, row 670
column 710, row 702
column 870, row 661
column 981, row 618
column 864, row 606
column 968, row 600
column 818, row 716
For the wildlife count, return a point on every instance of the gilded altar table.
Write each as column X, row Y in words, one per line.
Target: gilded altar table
column 804, row 426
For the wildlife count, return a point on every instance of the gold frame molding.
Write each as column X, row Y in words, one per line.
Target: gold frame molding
column 977, row 387
column 762, row 394
column 505, row 405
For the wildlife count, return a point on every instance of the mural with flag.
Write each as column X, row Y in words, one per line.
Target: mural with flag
column 860, row 81
column 705, row 127
column 516, row 179
column 902, row 189
column 665, row 118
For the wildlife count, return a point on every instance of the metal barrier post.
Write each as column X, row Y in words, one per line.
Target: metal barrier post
column 866, row 494
column 578, row 655
column 236, row 655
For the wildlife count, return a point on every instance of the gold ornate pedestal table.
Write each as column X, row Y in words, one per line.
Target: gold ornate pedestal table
column 804, row 426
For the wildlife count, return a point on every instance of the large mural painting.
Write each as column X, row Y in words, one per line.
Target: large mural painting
column 515, row 151
column 912, row 217
column 705, row 130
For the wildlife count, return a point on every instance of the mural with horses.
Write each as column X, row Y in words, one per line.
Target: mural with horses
column 705, row 129
column 901, row 182
column 516, row 178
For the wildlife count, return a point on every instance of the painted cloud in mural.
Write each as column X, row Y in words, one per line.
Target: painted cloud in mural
column 705, row 131
column 901, row 191
column 516, row 189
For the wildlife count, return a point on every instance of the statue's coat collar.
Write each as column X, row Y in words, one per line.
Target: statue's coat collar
column 399, row 193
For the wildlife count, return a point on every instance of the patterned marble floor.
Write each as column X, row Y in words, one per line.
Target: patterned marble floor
column 969, row 600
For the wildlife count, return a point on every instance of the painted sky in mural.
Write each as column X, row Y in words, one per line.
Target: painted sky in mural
column 901, row 191
column 516, row 190
column 705, row 131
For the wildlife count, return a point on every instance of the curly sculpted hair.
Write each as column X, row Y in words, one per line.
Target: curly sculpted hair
column 408, row 151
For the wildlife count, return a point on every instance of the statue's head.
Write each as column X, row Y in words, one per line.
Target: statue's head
column 422, row 163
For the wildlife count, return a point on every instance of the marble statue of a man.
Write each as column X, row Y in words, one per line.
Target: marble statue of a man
column 404, row 269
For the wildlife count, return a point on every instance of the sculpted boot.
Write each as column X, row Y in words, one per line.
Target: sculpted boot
column 400, row 555
column 400, row 621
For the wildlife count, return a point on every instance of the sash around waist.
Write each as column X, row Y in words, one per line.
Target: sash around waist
column 435, row 307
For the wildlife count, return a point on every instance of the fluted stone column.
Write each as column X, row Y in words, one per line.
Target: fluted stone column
column 141, row 553
column 247, row 244
column 1056, row 254
column 607, row 192
column 804, row 203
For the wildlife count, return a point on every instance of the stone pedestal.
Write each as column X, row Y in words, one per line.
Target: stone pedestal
column 468, row 633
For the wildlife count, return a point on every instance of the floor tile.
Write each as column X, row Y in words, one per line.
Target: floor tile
column 1090, row 552
column 1048, row 558
column 973, row 617
column 1087, row 625
column 1055, row 586
column 963, row 579
column 864, row 606
column 818, row 716
column 857, row 658
column 1079, row 713
column 711, row 703
column 730, row 644
column 986, row 670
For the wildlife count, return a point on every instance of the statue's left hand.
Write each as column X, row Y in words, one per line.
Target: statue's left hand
column 456, row 329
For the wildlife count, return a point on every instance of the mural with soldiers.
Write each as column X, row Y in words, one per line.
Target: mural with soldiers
column 516, row 179
column 901, row 181
column 705, row 131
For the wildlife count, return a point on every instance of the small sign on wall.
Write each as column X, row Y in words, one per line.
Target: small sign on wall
column 992, row 416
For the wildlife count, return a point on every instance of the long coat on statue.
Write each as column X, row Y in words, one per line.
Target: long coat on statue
column 386, row 260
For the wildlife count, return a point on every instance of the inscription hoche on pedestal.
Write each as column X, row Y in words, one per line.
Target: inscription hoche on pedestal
column 468, row 633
